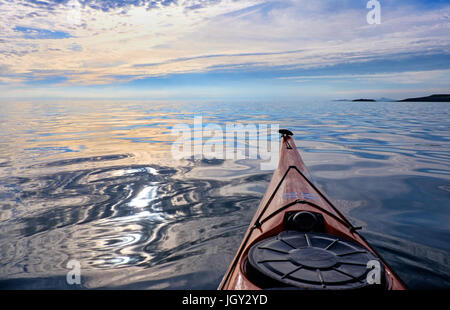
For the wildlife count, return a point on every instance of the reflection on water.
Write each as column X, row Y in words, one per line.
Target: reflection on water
column 95, row 182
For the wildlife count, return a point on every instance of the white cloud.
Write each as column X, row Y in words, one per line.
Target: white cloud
column 112, row 43
column 407, row 78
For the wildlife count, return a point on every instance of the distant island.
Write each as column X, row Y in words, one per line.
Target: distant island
column 432, row 98
column 382, row 99
column 364, row 100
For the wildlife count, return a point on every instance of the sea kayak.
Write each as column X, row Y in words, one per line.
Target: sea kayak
column 298, row 239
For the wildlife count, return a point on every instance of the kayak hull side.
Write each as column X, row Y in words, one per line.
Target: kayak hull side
column 290, row 189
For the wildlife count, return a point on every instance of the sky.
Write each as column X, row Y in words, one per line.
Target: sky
column 206, row 49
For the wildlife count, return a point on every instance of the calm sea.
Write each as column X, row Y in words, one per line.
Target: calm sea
column 95, row 181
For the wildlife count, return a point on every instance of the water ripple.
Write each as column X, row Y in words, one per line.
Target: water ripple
column 95, row 181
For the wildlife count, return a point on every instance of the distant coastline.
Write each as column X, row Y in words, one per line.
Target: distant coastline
column 431, row 98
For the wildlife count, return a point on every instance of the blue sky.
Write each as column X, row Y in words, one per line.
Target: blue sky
column 248, row 49
column 36, row 33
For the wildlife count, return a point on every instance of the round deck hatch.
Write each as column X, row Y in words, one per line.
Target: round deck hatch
column 312, row 261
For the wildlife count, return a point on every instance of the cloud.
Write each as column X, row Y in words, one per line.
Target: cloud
column 94, row 42
column 109, row 5
column 183, row 59
column 407, row 78
column 75, row 47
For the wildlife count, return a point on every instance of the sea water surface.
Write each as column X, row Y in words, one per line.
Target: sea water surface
column 96, row 182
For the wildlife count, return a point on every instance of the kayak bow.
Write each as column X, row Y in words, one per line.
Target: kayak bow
column 298, row 239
